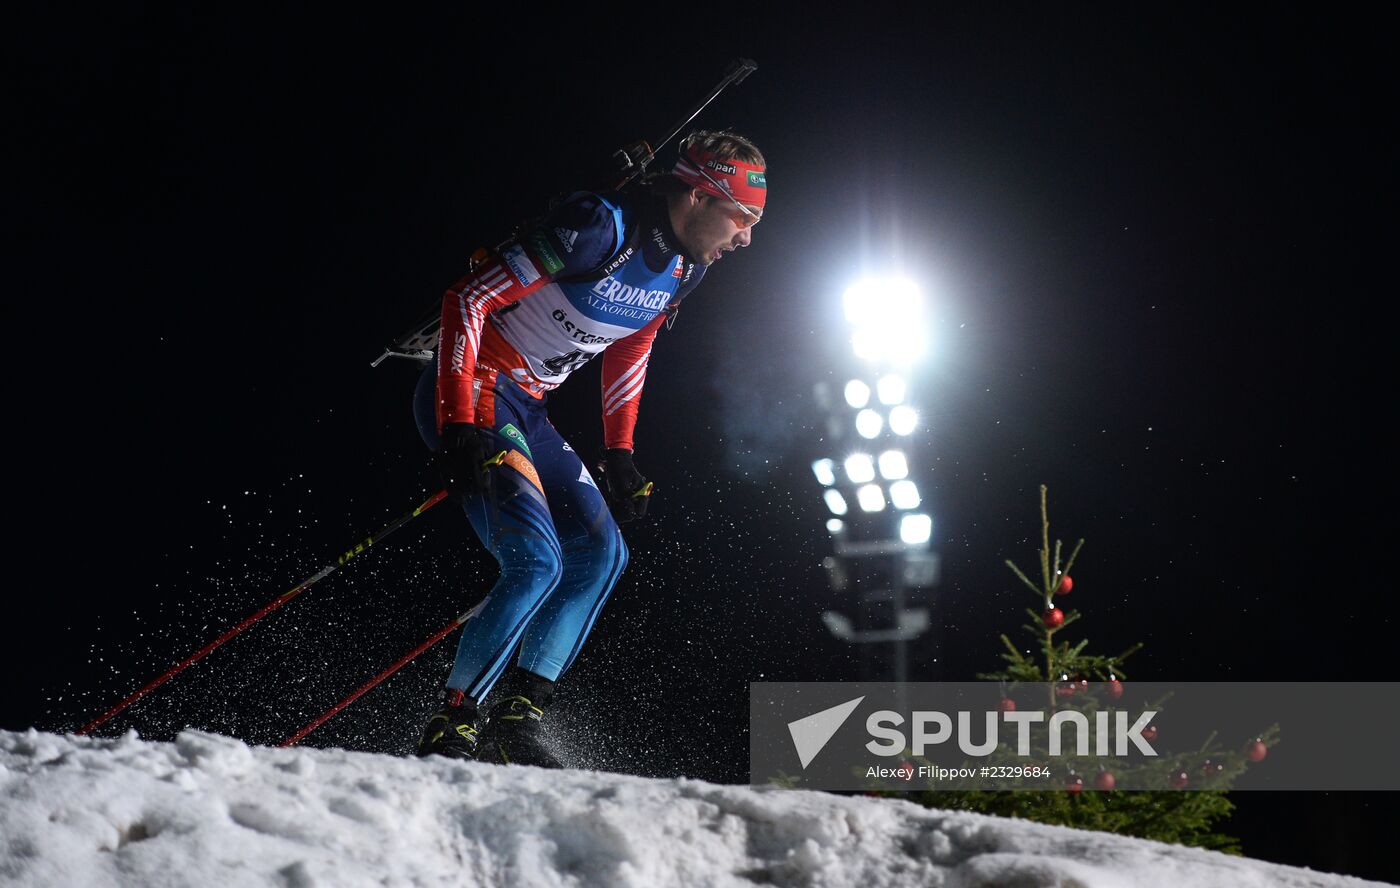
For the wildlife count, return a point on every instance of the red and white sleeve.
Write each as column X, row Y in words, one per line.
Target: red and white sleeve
column 488, row 287
column 624, row 371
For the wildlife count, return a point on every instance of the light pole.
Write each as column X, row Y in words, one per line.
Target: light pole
column 879, row 525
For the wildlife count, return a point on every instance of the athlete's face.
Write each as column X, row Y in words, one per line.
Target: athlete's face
column 715, row 226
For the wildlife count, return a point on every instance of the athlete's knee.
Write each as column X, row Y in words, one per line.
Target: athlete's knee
column 609, row 554
column 538, row 567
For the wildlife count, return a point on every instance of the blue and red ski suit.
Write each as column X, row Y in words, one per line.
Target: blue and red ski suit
column 599, row 274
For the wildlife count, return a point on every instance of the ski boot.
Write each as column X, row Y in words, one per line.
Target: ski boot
column 453, row 731
column 512, row 734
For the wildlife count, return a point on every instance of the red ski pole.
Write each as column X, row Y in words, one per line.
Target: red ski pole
column 264, row 611
column 360, row 692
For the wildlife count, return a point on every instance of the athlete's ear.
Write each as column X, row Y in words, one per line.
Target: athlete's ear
column 696, row 195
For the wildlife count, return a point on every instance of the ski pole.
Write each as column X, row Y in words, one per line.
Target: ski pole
column 360, row 692
column 265, row 610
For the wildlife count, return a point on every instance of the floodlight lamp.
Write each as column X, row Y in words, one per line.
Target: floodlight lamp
column 903, row 420
column 893, row 465
column 892, row 389
column 915, row 529
column 871, row 498
column 904, row 494
column 857, row 393
column 859, row 468
column 869, row 423
column 825, row 470
column 834, row 501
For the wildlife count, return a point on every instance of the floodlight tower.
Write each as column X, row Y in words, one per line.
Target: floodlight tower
column 879, row 525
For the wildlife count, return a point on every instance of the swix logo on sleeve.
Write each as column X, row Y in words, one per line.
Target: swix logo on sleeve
column 459, row 354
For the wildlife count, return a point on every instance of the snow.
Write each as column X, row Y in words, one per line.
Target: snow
column 210, row 810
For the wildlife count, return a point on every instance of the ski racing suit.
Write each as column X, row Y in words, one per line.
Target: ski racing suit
column 600, row 273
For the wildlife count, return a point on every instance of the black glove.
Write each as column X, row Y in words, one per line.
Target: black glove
column 627, row 491
column 462, row 459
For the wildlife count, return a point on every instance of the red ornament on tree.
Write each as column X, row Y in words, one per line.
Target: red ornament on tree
column 1149, row 733
column 1066, row 584
column 1074, row 784
column 1211, row 768
column 1255, row 750
column 1115, row 689
column 1105, row 781
column 1052, row 618
column 1179, row 780
column 1007, row 705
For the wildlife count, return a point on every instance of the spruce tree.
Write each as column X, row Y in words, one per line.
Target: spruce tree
column 1070, row 676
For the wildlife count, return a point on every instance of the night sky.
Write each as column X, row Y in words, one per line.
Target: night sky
column 1151, row 254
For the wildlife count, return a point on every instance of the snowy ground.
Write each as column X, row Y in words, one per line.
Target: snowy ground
column 208, row 810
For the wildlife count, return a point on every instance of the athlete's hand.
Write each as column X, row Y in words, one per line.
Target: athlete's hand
column 627, row 490
column 462, row 459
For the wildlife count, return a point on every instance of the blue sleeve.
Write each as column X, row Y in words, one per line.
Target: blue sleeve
column 577, row 236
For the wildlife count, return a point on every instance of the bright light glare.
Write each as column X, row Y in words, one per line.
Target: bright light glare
column 892, row 389
column 893, row 466
column 904, row 495
column 824, row 470
column 869, row 423
column 903, row 420
column 898, row 345
column 872, row 302
column 834, row 526
column 866, row 343
column 859, row 468
column 857, row 393
column 915, row 529
column 871, row 497
column 835, row 501
column 888, row 319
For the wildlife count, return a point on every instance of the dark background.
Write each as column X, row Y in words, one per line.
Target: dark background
column 1153, row 253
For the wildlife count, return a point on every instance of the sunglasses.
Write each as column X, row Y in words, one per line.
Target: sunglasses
column 746, row 218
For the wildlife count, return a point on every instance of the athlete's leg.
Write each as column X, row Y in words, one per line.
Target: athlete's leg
column 515, row 527
column 594, row 557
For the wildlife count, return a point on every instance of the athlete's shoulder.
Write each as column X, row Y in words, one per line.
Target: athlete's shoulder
column 589, row 209
column 578, row 234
